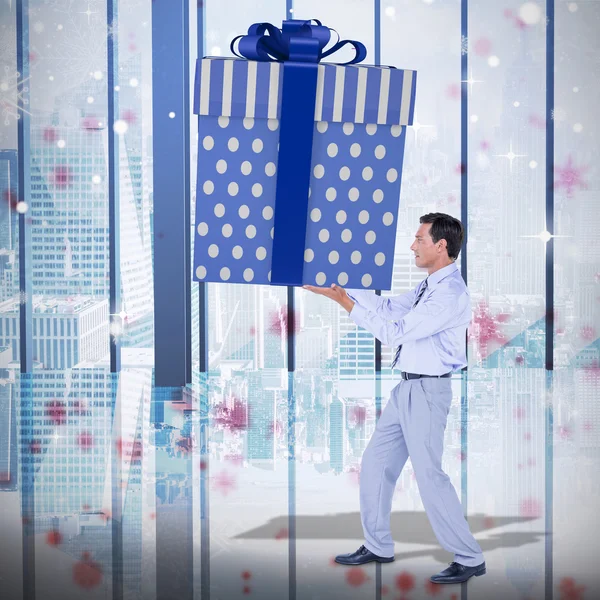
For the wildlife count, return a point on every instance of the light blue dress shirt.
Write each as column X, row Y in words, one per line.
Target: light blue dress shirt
column 432, row 334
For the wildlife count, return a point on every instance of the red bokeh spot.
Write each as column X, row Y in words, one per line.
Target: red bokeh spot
column 87, row 573
column 453, row 91
column 519, row 359
column 355, row 576
column 564, row 432
column 279, row 321
column 432, row 588
column 460, row 169
column 62, row 176
column 357, row 415
column 129, row 449
column 282, row 534
column 385, row 590
column 570, row 177
column 11, row 198
column 232, row 414
column 53, row 537
column 85, row 440
column 484, row 330
column 569, row 590
column 405, row 581
column 235, row 459
column 129, row 116
column 56, row 412
column 246, row 589
column 246, row 575
column 152, row 516
column 489, row 523
column 91, row 123
column 132, row 47
column 203, row 465
column 224, row 482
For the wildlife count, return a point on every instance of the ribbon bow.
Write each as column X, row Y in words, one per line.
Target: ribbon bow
column 297, row 41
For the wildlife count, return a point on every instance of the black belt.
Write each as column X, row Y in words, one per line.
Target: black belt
column 406, row 375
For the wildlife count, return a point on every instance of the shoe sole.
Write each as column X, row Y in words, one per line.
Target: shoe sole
column 478, row 574
column 354, row 564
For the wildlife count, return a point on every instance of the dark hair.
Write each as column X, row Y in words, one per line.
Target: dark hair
column 445, row 227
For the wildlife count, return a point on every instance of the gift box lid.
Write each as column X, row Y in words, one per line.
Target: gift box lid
column 234, row 87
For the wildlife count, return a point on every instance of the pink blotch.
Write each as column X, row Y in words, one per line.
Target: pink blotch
column 537, row 121
column 531, row 462
column 184, row 444
column 482, row 46
column 246, row 589
column 32, row 57
column 587, row 426
column 11, row 198
column 50, row 135
column 35, row 447
column 232, row 414
column 519, row 413
column 132, row 47
column 484, row 145
column 507, row 13
column 235, row 459
column 385, row 590
column 56, row 411
column 252, row 330
column 527, row 436
column 279, row 321
column 453, row 91
column 357, row 415
column 85, row 440
column 246, row 575
column 460, row 169
column 569, row 590
column 570, row 177
column 91, row 123
column 53, row 537
column 519, row 359
column 87, row 573
column 564, row 432
column 129, row 116
column 530, row 508
column 433, row 589
column 484, row 330
column 282, row 534
column 152, row 516
column 588, row 333
column 355, row 576
column 354, row 472
column 224, row 482
column 489, row 522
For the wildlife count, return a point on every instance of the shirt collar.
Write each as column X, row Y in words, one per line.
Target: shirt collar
column 440, row 274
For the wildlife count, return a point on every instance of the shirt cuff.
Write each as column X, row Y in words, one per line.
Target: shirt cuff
column 358, row 313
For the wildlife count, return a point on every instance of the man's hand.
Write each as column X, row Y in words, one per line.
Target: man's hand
column 335, row 292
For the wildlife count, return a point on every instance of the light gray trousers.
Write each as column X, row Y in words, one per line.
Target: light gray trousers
column 413, row 424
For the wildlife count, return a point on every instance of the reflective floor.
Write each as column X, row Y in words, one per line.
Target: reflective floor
column 247, row 485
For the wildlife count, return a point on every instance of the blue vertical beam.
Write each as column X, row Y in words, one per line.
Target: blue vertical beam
column 114, row 212
column 116, row 321
column 549, row 372
column 171, row 125
column 25, row 291
column 204, row 387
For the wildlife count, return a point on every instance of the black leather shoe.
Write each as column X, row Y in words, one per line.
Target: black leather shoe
column 457, row 573
column 360, row 557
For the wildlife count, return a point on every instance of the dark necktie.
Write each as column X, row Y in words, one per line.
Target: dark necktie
column 421, row 292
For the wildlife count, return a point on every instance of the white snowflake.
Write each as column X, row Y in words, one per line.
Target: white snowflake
column 10, row 96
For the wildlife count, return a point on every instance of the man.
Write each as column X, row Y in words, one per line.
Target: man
column 428, row 325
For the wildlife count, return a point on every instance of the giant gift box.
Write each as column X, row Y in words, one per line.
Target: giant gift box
column 299, row 162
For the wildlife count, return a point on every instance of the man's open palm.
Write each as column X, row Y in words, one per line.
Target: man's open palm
column 335, row 292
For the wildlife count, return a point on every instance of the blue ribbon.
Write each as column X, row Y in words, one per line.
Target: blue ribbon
column 299, row 45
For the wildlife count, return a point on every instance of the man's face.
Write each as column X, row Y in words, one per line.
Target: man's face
column 423, row 247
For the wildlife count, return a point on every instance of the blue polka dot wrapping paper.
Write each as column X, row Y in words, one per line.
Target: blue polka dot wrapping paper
column 360, row 119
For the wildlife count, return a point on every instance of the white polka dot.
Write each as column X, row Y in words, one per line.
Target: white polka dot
column 366, row 280
column 225, row 273
column 201, row 272
column 208, row 142
column 320, row 278
column 272, row 232
column 257, row 145
column 244, row 211
column 356, row 257
column 233, row 144
column 202, row 228
column 346, row 235
column 363, row 216
column 319, row 171
column 250, row 231
column 309, row 191
column 269, row 275
column 223, row 121
column 344, row 173
column 379, row 259
column 378, row 196
column 392, row 175
column 380, row 151
column 353, row 194
column 261, row 253
column 233, row 188
column 388, row 218
column 334, row 257
column 270, row 169
column 221, row 166
column 219, row 209
column 343, row 278
column 315, row 215
column 309, row 255
column 272, row 124
column 396, row 130
column 331, row 194
column 227, row 230
column 367, row 173
column 322, row 126
column 208, row 187
column 267, row 213
column 370, row 237
column 341, row 216
column 355, row 150
column 332, row 150
column 248, row 123
column 371, row 128
column 323, row 235
column 237, row 252
column 248, row 274
column 348, row 128
column 257, row 190
column 246, row 167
